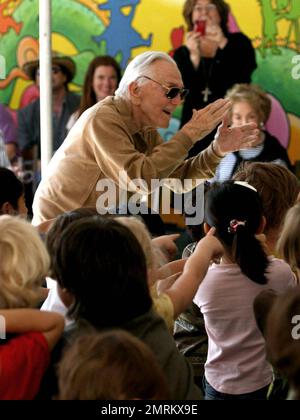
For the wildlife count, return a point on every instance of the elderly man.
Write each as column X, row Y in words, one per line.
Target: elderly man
column 118, row 136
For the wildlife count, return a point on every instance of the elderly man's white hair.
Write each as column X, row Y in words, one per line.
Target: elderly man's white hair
column 139, row 66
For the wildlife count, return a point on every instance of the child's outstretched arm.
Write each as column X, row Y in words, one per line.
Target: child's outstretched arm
column 171, row 268
column 20, row 321
column 185, row 287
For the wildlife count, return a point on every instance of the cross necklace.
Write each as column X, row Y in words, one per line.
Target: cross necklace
column 207, row 75
column 206, row 92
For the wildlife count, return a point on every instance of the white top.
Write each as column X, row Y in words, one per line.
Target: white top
column 236, row 361
column 53, row 303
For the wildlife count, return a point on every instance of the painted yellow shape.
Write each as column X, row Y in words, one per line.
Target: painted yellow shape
column 294, row 147
column 74, row 88
column 126, row 10
column 247, row 14
column 11, row 7
column 63, row 45
column 20, row 87
column 162, row 17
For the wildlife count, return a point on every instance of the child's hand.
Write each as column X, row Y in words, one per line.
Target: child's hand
column 211, row 245
column 166, row 244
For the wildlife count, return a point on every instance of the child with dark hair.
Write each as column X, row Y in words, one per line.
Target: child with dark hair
column 113, row 365
column 102, row 275
column 12, row 200
column 236, row 366
column 98, row 259
column 55, row 228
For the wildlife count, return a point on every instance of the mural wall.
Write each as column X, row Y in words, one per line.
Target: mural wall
column 125, row 28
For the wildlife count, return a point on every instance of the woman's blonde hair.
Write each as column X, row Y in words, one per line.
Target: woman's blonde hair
column 24, row 263
column 288, row 244
column 254, row 95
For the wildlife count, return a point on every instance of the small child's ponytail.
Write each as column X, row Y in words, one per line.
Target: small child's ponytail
column 248, row 253
column 235, row 211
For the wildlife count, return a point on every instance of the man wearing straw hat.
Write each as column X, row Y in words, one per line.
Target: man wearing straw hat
column 64, row 104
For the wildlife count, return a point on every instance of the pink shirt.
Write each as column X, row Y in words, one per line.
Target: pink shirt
column 236, row 361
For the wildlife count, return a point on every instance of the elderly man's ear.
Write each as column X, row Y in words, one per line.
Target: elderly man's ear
column 135, row 93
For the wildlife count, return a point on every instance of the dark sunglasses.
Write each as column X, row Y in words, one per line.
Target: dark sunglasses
column 171, row 92
column 55, row 70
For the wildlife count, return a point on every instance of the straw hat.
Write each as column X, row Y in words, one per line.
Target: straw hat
column 66, row 63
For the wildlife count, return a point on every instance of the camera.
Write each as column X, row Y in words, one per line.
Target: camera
column 200, row 27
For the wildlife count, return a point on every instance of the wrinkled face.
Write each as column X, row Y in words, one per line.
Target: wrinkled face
column 105, row 82
column 154, row 109
column 206, row 10
column 243, row 113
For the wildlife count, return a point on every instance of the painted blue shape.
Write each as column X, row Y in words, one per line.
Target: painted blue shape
column 119, row 35
column 167, row 133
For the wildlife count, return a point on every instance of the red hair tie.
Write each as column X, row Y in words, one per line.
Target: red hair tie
column 233, row 225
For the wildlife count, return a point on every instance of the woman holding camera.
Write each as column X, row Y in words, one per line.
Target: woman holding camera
column 212, row 60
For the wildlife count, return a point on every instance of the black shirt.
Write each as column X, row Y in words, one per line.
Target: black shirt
column 233, row 64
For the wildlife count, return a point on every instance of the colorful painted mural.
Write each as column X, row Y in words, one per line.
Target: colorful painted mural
column 124, row 28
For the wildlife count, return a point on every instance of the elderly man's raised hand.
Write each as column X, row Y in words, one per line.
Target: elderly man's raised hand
column 206, row 119
column 230, row 139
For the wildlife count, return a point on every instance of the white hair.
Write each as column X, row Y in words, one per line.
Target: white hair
column 138, row 67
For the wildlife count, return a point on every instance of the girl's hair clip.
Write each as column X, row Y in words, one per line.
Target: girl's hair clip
column 234, row 224
column 245, row 184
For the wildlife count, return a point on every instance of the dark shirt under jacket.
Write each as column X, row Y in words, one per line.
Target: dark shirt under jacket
column 233, row 64
column 29, row 123
column 272, row 151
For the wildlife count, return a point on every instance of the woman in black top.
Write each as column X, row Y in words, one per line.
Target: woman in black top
column 212, row 62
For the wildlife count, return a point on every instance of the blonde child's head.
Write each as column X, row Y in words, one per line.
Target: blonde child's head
column 288, row 245
column 137, row 227
column 24, row 263
column 112, row 365
column 154, row 257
